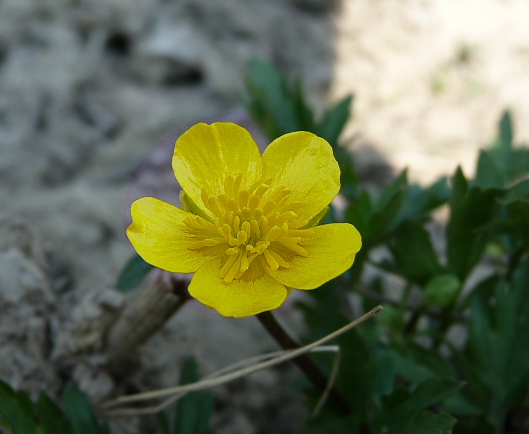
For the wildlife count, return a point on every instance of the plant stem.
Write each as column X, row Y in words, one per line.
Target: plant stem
column 143, row 317
column 304, row 362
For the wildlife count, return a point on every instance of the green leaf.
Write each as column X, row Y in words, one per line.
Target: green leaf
column 51, row 417
column 163, row 422
column 322, row 312
column 413, row 253
column 418, row 201
column 270, row 102
column 405, row 366
column 460, row 405
column 304, row 114
column 334, row 120
column 357, row 373
column 488, row 174
column 18, row 410
column 134, row 272
column 382, row 220
column 194, row 410
column 28, row 410
column 359, row 215
column 427, row 422
column 8, row 405
column 470, row 208
column 393, row 318
column 513, row 162
column 519, row 190
column 401, row 408
column 498, row 344
column 442, row 290
column 506, row 131
column 80, row 412
column 391, row 190
column 386, row 208
column 519, row 220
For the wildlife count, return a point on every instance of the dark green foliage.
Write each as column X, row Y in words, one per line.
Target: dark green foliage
column 22, row 416
column 133, row 273
column 79, row 411
column 279, row 107
column 193, row 411
column 470, row 208
column 393, row 373
column 52, row 418
column 404, row 411
column 18, row 410
column 413, row 253
column 498, row 344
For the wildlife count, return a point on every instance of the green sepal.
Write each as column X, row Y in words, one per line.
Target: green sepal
column 191, row 206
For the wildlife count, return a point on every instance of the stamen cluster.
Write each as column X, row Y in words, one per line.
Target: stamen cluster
column 252, row 222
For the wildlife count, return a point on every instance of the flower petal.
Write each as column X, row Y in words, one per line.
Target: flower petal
column 238, row 298
column 205, row 154
column 160, row 237
column 304, row 163
column 330, row 253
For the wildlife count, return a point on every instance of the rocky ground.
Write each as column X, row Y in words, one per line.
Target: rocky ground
column 87, row 87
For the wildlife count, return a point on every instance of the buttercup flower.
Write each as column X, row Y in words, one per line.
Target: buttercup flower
column 249, row 229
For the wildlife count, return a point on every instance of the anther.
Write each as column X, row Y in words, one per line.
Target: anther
column 226, row 231
column 243, row 198
column 271, row 260
column 232, row 205
column 237, row 184
column 255, row 227
column 228, row 185
column 242, row 237
column 246, row 213
column 253, row 202
column 236, row 223
column 293, row 206
column 262, row 189
column 234, row 268
column 301, row 233
column 291, row 244
column 227, row 266
column 214, row 206
column 273, row 234
column 280, row 194
column 223, row 199
column 285, row 217
column 279, row 259
column 246, row 228
column 263, row 223
column 269, row 207
column 208, row 242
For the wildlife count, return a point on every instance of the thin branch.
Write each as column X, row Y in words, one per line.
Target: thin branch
column 303, row 362
column 206, row 384
column 134, row 411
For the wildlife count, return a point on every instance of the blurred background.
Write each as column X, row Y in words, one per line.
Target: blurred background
column 87, row 88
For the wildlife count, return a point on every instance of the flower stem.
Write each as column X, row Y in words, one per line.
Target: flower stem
column 304, row 362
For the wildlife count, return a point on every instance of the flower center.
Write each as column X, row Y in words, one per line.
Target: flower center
column 250, row 223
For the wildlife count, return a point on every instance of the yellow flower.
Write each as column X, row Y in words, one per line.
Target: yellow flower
column 248, row 231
